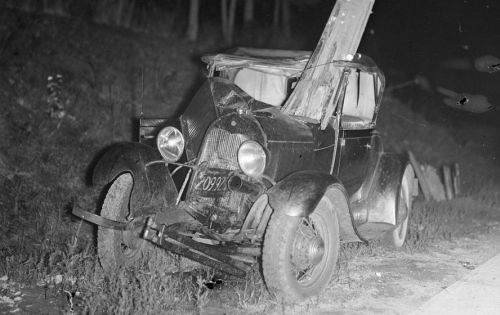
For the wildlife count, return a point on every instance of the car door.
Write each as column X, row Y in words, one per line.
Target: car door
column 357, row 128
column 354, row 154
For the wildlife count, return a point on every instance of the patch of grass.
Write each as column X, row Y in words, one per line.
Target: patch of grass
column 132, row 291
column 252, row 295
column 433, row 221
column 448, row 220
column 149, row 287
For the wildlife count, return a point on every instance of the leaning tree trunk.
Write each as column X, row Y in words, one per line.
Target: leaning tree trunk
column 194, row 9
column 314, row 95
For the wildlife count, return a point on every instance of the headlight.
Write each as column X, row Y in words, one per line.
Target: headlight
column 252, row 158
column 170, row 143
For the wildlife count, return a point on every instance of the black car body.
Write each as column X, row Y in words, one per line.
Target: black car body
column 246, row 174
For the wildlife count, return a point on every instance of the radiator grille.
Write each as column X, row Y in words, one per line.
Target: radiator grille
column 219, row 151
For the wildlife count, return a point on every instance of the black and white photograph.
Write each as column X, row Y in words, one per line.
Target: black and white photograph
column 250, row 157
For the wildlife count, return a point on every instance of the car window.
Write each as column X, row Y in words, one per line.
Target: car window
column 265, row 87
column 359, row 100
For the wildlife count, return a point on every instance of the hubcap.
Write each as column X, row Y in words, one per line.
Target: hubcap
column 316, row 250
column 308, row 248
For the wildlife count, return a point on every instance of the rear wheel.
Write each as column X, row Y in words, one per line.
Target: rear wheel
column 118, row 248
column 397, row 237
column 300, row 253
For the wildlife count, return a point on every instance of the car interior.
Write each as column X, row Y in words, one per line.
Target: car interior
column 265, row 87
column 360, row 100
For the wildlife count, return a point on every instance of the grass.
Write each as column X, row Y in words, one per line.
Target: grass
column 44, row 166
column 147, row 291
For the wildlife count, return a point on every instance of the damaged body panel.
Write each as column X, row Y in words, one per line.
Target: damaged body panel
column 153, row 185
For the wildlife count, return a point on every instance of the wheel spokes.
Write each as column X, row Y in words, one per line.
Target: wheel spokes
column 307, row 250
column 305, row 274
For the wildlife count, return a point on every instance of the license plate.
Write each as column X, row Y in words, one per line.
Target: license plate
column 211, row 182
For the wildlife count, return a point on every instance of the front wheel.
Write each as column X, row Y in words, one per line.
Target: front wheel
column 118, row 248
column 300, row 253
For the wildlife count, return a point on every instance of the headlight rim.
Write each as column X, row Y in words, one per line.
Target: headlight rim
column 265, row 155
column 169, row 130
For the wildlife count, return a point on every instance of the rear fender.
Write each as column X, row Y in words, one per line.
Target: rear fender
column 299, row 194
column 153, row 185
column 381, row 202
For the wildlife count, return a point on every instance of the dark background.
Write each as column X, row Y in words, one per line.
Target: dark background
column 406, row 38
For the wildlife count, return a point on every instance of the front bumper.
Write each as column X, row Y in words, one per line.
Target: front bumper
column 186, row 237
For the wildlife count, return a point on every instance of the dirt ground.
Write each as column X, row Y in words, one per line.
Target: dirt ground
column 399, row 282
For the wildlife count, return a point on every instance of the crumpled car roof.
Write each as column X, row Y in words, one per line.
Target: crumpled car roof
column 275, row 61
column 289, row 63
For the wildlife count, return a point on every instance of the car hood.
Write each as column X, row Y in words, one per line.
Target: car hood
column 218, row 97
column 283, row 128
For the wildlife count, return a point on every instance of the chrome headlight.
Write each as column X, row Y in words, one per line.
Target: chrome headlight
column 170, row 143
column 252, row 158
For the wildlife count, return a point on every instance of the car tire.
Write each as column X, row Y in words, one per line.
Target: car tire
column 292, row 263
column 396, row 237
column 118, row 248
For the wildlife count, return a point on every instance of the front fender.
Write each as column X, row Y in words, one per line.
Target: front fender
column 153, row 185
column 299, row 193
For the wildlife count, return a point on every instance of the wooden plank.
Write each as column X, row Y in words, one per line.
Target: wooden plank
column 447, row 181
column 456, row 179
column 421, row 178
column 313, row 95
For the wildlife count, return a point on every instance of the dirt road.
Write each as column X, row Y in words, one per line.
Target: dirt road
column 399, row 282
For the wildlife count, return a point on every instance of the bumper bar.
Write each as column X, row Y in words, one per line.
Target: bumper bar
column 101, row 221
column 208, row 255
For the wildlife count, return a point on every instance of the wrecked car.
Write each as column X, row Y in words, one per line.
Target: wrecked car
column 234, row 182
